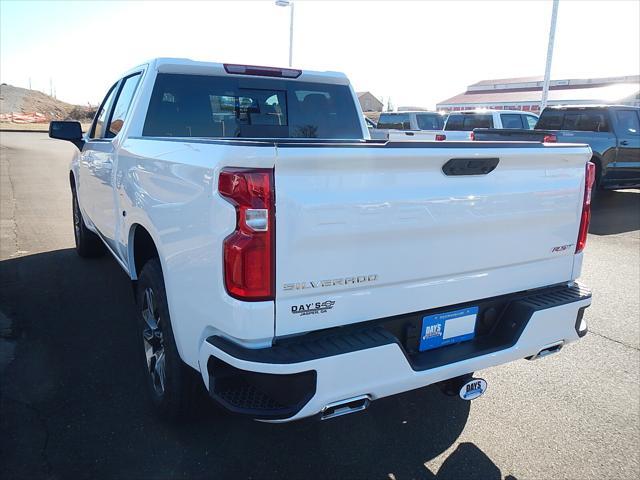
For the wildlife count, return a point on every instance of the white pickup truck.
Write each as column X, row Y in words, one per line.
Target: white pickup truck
column 409, row 126
column 460, row 125
column 297, row 268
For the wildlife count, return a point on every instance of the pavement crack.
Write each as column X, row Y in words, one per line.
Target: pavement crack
column 11, row 203
column 14, row 208
column 613, row 340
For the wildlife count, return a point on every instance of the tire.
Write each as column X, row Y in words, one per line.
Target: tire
column 88, row 244
column 598, row 192
column 172, row 385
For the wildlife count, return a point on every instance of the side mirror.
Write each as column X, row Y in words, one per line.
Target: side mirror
column 70, row 131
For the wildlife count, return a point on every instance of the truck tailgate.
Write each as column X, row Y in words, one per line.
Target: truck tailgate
column 372, row 231
column 413, row 135
column 509, row 135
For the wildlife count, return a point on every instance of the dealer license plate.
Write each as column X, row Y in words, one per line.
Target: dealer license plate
column 447, row 328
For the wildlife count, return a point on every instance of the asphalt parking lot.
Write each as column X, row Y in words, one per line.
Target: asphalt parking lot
column 72, row 403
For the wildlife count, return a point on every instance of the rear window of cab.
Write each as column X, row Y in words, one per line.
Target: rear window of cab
column 394, row 121
column 231, row 107
column 468, row 122
column 587, row 120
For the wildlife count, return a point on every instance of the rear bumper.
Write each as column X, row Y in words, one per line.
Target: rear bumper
column 299, row 377
column 620, row 175
column 620, row 185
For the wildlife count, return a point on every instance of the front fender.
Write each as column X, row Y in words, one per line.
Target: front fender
column 74, row 169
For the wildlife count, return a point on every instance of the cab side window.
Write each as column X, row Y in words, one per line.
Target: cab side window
column 551, row 119
column 530, row 121
column 101, row 117
column 127, row 90
column 628, row 121
column 454, row 122
column 511, row 120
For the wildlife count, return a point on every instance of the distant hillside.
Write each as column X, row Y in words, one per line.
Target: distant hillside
column 16, row 100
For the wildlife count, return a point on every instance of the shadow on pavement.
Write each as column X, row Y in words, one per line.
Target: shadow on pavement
column 73, row 404
column 468, row 461
column 616, row 211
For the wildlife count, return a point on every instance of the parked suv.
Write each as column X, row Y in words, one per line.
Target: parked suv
column 612, row 132
column 459, row 125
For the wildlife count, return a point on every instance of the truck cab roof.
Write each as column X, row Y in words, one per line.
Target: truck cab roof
column 482, row 111
column 587, row 107
column 413, row 111
column 193, row 67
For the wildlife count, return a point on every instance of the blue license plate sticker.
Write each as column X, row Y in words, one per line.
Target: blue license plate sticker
column 447, row 328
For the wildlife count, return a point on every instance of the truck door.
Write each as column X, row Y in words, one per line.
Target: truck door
column 628, row 142
column 92, row 172
column 102, row 152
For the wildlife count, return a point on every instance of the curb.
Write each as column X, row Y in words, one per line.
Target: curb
column 22, row 130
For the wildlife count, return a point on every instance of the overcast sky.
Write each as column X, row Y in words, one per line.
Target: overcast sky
column 419, row 53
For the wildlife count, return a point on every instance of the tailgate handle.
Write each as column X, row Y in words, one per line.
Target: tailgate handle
column 470, row 166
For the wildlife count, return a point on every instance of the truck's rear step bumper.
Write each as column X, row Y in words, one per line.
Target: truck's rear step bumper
column 298, row 376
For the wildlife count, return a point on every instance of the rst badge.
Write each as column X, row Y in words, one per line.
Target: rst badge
column 562, row 248
column 312, row 308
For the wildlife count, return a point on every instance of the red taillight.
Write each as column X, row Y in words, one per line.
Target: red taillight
column 249, row 250
column 440, row 137
column 472, row 136
column 551, row 138
column 589, row 180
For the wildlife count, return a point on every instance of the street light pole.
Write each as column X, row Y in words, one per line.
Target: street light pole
column 291, row 36
column 288, row 3
column 547, row 70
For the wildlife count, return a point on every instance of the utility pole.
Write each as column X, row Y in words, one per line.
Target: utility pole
column 547, row 70
column 288, row 3
column 291, row 36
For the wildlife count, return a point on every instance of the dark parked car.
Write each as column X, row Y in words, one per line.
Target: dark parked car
column 612, row 132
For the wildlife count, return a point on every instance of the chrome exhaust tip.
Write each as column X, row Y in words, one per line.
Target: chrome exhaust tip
column 345, row 407
column 548, row 350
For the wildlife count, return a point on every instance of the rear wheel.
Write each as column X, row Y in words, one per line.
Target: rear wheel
column 87, row 243
column 172, row 385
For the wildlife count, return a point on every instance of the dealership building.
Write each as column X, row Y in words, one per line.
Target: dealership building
column 526, row 93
